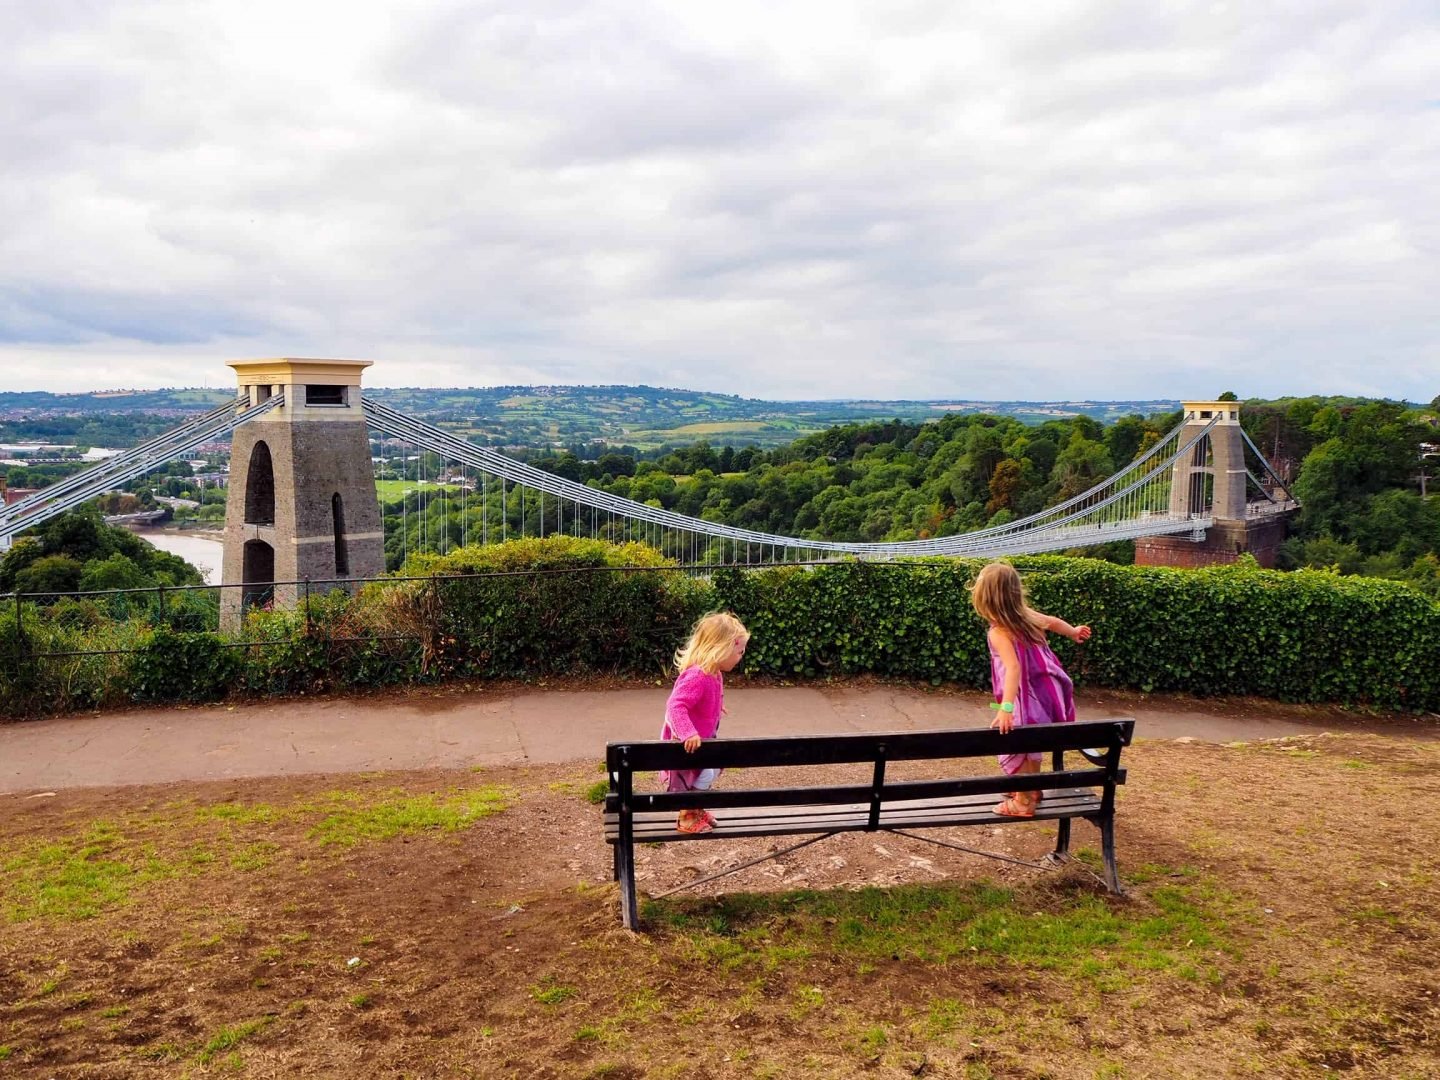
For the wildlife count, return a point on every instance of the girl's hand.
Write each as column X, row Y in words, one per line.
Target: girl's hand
column 1082, row 633
column 691, row 744
column 1004, row 721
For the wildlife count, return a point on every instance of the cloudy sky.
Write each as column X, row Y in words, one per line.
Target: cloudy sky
column 773, row 199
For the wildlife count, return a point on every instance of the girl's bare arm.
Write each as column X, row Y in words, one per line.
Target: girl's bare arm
column 1005, row 647
column 1056, row 625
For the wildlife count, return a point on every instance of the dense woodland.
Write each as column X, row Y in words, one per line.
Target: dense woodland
column 78, row 552
column 1354, row 465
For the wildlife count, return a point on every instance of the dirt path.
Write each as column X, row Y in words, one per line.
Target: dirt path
column 509, row 725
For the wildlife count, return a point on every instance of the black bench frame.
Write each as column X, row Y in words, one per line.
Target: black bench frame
column 633, row 817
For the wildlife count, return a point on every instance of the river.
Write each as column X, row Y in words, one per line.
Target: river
column 200, row 551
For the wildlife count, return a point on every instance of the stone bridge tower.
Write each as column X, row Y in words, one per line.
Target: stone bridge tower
column 1210, row 481
column 302, row 502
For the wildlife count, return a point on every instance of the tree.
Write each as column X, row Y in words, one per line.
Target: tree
column 1228, row 395
column 50, row 574
column 1081, row 465
column 1124, row 438
column 1005, row 483
column 116, row 572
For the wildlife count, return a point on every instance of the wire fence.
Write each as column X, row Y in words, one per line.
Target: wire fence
column 61, row 651
column 201, row 608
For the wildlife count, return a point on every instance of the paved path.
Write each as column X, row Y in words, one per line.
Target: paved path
column 527, row 726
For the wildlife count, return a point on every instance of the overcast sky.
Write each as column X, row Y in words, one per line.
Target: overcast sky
column 781, row 200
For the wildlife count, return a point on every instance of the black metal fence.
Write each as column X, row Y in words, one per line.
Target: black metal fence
column 197, row 608
column 65, row 651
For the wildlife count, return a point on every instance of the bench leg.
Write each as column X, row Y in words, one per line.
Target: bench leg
column 615, row 861
column 1107, row 849
column 625, row 865
column 1062, row 840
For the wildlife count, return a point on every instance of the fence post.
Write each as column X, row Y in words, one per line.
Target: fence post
column 19, row 636
column 306, row 607
column 434, row 617
column 163, row 618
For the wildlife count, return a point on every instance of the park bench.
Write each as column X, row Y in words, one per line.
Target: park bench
column 899, row 806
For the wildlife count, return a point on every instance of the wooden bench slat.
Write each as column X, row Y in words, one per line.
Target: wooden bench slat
column 894, row 790
column 931, row 813
column 648, row 756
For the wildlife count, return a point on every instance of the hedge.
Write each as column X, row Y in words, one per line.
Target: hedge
column 563, row 606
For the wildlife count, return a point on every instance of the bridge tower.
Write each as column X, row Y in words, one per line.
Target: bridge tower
column 302, row 499
column 1209, row 481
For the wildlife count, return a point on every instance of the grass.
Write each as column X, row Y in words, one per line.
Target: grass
column 227, row 1038
column 1080, row 935
column 552, row 994
column 392, row 490
column 351, row 821
column 75, row 879
column 105, row 864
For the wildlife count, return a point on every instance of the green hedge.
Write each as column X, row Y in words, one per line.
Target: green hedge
column 564, row 606
column 554, row 606
column 1303, row 636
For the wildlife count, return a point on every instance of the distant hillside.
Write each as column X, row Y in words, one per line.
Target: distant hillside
column 645, row 417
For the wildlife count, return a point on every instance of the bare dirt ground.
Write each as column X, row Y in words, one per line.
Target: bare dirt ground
column 1281, row 920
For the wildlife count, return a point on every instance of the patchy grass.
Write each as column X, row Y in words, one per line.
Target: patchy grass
column 349, row 820
column 227, row 1038
column 1278, row 923
column 1080, row 935
column 75, row 878
column 107, row 861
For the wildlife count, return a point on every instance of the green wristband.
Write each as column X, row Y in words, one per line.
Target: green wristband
column 1003, row 706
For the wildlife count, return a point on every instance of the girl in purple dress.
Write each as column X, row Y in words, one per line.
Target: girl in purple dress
column 697, row 702
column 1030, row 685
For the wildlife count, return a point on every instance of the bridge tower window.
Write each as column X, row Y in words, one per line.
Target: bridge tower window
column 325, row 395
column 337, row 520
column 260, row 487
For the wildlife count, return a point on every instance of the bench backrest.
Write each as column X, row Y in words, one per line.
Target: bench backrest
column 1099, row 740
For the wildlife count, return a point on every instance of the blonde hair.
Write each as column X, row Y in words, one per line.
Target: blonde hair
column 999, row 598
column 710, row 642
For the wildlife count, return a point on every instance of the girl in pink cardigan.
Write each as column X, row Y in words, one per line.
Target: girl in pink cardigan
column 697, row 702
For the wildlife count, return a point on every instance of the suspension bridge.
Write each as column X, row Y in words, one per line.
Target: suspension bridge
column 1204, row 470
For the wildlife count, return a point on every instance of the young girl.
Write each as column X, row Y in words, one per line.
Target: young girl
column 1029, row 683
column 697, row 702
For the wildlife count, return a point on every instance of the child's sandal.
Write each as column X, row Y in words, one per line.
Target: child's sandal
column 1012, row 806
column 699, row 823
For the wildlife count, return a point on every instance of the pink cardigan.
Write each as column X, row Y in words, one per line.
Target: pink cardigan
column 695, row 705
column 693, row 709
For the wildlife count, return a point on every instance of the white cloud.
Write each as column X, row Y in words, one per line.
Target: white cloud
column 779, row 199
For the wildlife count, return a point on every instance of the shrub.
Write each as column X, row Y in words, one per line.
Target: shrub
column 563, row 606
column 520, row 615
column 175, row 666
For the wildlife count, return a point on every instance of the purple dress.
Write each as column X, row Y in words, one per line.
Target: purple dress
column 1046, row 695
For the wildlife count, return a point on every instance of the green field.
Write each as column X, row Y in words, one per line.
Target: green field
column 392, row 490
